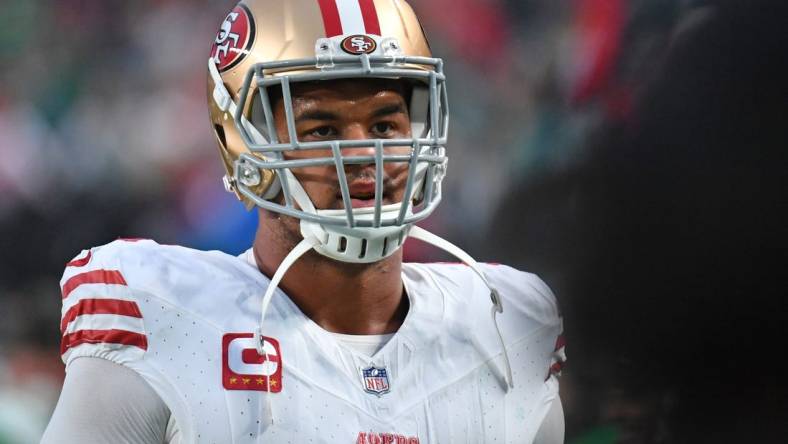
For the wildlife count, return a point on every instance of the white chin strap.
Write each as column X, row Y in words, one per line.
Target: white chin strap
column 311, row 241
column 497, row 307
column 360, row 245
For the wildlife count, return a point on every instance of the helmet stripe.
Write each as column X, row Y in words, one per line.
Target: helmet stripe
column 349, row 17
column 370, row 15
column 331, row 21
column 350, row 14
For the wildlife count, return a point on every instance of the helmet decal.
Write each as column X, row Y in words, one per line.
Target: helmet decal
column 358, row 44
column 342, row 17
column 234, row 39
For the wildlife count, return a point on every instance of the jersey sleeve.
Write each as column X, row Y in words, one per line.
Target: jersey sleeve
column 529, row 301
column 102, row 402
column 100, row 315
column 532, row 326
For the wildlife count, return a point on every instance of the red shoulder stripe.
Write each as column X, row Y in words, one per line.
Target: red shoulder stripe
column 122, row 337
column 93, row 277
column 100, row 306
column 560, row 342
column 81, row 262
column 555, row 369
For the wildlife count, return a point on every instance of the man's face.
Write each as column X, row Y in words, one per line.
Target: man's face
column 349, row 110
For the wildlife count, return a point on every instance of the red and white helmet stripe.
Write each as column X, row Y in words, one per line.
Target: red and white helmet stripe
column 342, row 17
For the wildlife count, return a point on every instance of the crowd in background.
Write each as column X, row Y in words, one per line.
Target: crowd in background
column 627, row 151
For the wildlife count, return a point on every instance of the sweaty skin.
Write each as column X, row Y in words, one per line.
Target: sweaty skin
column 359, row 299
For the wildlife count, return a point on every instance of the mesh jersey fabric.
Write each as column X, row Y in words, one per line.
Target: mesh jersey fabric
column 174, row 291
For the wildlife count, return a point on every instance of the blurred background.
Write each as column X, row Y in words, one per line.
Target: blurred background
column 630, row 152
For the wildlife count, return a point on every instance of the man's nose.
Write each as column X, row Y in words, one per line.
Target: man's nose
column 358, row 132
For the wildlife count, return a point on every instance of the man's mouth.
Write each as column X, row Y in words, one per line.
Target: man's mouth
column 362, row 193
column 362, row 203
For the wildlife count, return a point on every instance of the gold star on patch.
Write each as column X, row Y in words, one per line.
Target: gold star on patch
column 273, row 383
column 233, row 380
column 246, row 380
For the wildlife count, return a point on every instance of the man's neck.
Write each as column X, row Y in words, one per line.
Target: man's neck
column 361, row 299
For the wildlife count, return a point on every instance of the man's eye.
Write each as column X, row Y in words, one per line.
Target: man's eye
column 383, row 128
column 323, row 131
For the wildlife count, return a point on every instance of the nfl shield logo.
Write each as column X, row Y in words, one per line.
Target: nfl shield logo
column 375, row 380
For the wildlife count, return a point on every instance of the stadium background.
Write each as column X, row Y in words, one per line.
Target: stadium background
column 632, row 153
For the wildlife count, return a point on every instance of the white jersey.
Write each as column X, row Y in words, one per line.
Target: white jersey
column 183, row 320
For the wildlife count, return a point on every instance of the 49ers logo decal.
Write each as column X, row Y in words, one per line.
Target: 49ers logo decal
column 234, row 39
column 358, row 44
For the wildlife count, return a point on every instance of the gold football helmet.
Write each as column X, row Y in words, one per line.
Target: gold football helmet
column 265, row 45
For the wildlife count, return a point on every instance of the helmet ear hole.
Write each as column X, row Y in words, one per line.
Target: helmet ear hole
column 220, row 136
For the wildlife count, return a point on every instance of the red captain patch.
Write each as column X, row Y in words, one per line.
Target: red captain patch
column 234, row 39
column 244, row 369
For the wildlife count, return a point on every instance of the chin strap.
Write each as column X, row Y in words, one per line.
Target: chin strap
column 299, row 250
column 425, row 236
column 309, row 242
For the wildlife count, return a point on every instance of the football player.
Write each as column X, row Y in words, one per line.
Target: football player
column 331, row 118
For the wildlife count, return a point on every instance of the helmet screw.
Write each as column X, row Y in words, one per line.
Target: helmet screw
column 391, row 47
column 250, row 176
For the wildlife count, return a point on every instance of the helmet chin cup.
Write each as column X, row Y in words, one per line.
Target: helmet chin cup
column 359, row 244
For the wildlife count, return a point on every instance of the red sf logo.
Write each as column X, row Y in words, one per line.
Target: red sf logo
column 244, row 369
column 234, row 39
column 358, row 44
